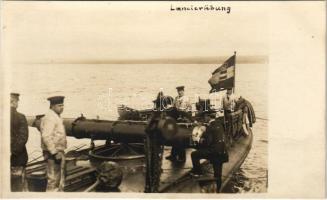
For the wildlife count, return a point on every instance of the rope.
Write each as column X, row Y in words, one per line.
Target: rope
column 35, row 158
column 35, row 151
column 75, row 148
column 262, row 118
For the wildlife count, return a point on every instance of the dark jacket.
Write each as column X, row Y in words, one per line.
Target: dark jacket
column 19, row 137
column 214, row 140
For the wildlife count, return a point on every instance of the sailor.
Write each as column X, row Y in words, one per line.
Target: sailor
column 229, row 101
column 18, row 137
column 182, row 102
column 216, row 102
column 197, row 131
column 53, row 140
column 212, row 147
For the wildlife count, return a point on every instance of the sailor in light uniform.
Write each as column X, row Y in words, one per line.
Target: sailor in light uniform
column 197, row 132
column 183, row 105
column 216, row 102
column 53, row 140
column 182, row 102
column 229, row 101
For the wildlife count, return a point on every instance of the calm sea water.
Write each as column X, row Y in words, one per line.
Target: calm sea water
column 96, row 90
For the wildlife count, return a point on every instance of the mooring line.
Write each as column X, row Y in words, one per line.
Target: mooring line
column 261, row 118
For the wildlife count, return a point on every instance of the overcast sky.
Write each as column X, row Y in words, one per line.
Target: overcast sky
column 70, row 32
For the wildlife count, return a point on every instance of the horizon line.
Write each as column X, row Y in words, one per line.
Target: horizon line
column 259, row 59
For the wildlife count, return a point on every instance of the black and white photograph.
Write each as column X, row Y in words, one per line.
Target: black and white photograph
column 135, row 97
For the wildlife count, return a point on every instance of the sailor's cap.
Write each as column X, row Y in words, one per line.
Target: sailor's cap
column 180, row 88
column 14, row 95
column 56, row 100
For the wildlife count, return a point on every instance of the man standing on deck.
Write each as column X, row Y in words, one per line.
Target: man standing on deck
column 212, row 147
column 53, row 140
column 229, row 106
column 182, row 104
column 18, row 138
column 229, row 101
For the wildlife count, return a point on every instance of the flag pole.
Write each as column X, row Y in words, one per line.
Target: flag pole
column 234, row 71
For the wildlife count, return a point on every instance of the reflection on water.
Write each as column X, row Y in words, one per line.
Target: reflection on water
column 96, row 90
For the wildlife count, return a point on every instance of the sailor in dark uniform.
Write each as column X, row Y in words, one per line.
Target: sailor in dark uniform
column 211, row 147
column 18, row 137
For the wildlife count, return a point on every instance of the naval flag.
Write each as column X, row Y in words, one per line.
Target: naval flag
column 223, row 77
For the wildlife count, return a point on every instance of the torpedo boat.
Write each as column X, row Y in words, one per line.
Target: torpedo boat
column 140, row 155
column 136, row 144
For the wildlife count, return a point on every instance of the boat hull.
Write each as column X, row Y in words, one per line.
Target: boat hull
column 175, row 177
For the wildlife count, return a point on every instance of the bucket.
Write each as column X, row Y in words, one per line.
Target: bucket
column 37, row 181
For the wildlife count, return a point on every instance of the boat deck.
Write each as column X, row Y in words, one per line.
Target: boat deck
column 176, row 177
column 185, row 183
